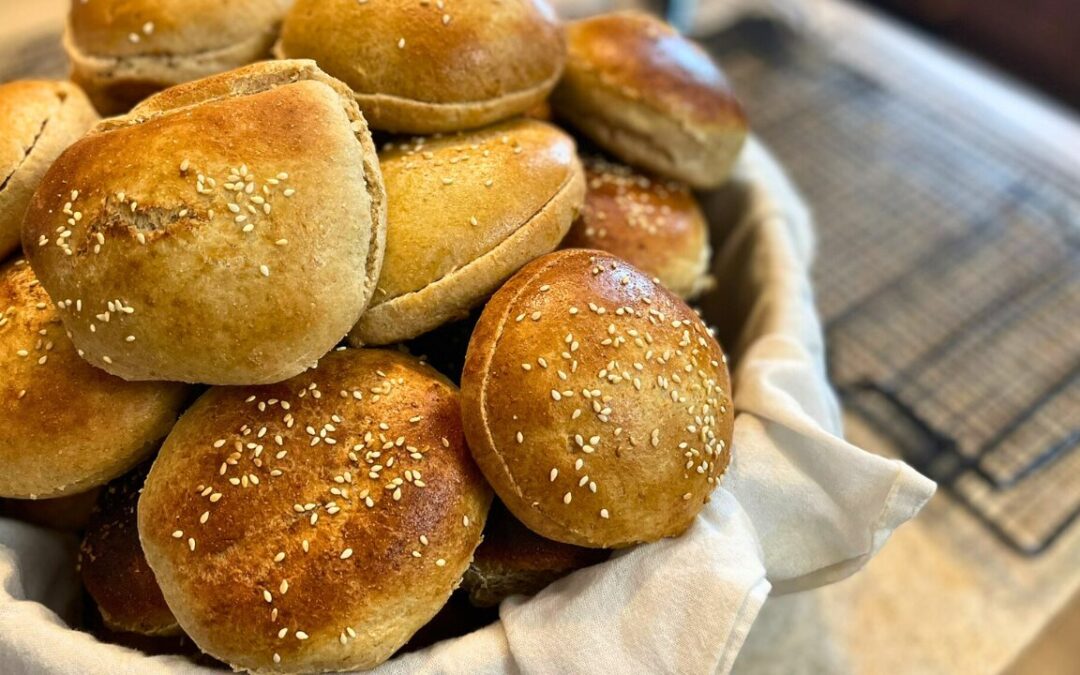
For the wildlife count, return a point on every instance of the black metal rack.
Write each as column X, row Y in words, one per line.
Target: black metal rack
column 948, row 276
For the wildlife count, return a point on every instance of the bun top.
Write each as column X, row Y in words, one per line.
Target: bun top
column 452, row 199
column 596, row 402
column 54, row 438
column 256, row 189
column 648, row 60
column 322, row 519
column 435, row 52
column 125, row 28
column 652, row 223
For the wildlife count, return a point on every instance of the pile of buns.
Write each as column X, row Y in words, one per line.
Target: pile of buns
column 234, row 298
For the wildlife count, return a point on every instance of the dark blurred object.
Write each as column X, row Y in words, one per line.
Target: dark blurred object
column 458, row 617
column 112, row 565
column 68, row 514
column 444, row 348
column 1035, row 40
column 513, row 560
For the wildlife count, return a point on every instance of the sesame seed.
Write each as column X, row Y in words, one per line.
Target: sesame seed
column 346, row 554
column 567, row 498
column 604, row 513
column 178, row 534
column 401, row 43
column 301, row 635
column 264, row 270
column 267, row 596
column 553, row 475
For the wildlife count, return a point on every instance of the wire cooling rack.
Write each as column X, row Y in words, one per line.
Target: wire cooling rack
column 948, row 276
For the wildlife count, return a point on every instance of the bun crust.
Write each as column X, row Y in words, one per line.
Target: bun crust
column 651, row 97
column 39, row 120
column 513, row 560
column 122, row 50
column 425, row 68
column 113, row 568
column 54, row 438
column 272, row 229
column 654, row 224
column 596, row 403
column 464, row 213
column 334, row 517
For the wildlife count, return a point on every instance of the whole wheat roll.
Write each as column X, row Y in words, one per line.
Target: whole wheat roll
column 429, row 67
column 112, row 565
column 38, row 120
column 226, row 231
column 652, row 223
column 315, row 524
column 122, row 51
column 650, row 97
column 65, row 426
column 596, row 402
column 464, row 212
column 514, row 560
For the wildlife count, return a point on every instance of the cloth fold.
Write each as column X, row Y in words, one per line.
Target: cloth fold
column 798, row 508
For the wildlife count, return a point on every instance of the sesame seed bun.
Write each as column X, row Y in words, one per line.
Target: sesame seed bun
column 514, row 560
column 122, row 51
column 55, row 438
column 464, row 213
column 653, row 224
column 596, row 402
column 651, row 97
column 257, row 192
column 38, row 119
column 420, row 67
column 315, row 524
column 112, row 565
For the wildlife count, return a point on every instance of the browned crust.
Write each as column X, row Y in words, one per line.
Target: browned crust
column 112, row 565
column 40, row 119
column 425, row 68
column 381, row 590
column 644, row 490
column 54, row 438
column 650, row 97
column 654, row 224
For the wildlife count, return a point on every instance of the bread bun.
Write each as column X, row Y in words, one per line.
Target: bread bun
column 426, row 67
column 226, row 231
column 651, row 97
column 122, row 51
column 464, row 213
column 596, row 402
column 315, row 524
column 653, row 224
column 38, row 119
column 67, row 514
column 112, row 565
column 65, row 426
column 513, row 560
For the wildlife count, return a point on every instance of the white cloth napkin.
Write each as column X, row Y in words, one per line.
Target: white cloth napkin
column 798, row 508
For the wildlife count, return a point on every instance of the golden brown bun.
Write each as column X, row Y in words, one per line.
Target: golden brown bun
column 364, row 459
column 65, row 426
column 514, row 560
column 427, row 67
column 595, row 402
column 112, row 565
column 38, row 119
column 464, row 213
column 159, row 279
column 68, row 514
column 653, row 224
column 124, row 50
column 651, row 97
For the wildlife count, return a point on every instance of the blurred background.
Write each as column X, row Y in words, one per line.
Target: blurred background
column 937, row 143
